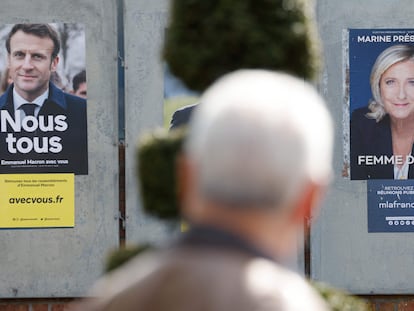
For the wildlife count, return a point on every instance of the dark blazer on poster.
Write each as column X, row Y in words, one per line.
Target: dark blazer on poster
column 369, row 137
column 182, row 116
column 74, row 140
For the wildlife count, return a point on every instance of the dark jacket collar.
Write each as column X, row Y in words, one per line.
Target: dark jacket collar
column 209, row 236
column 55, row 95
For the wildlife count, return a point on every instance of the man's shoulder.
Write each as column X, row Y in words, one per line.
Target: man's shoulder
column 214, row 279
column 74, row 100
column 117, row 282
column 3, row 98
column 247, row 282
column 71, row 101
column 75, row 104
column 127, row 275
column 282, row 286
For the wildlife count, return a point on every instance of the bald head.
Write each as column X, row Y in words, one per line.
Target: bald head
column 258, row 137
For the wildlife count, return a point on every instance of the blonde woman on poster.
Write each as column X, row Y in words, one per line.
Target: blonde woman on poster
column 382, row 134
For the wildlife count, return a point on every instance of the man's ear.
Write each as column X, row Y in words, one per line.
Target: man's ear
column 185, row 185
column 54, row 63
column 188, row 195
column 308, row 204
column 181, row 171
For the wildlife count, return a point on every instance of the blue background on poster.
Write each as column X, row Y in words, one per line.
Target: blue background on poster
column 390, row 198
column 362, row 57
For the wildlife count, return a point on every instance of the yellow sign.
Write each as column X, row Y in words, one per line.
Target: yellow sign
column 37, row 200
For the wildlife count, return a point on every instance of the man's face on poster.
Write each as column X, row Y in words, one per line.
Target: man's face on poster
column 397, row 90
column 30, row 64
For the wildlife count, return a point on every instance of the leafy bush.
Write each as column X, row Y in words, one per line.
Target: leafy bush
column 207, row 39
column 339, row 300
column 118, row 257
column 156, row 158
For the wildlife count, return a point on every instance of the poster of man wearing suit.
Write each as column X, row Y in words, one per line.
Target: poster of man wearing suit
column 43, row 127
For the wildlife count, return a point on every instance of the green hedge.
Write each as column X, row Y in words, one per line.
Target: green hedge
column 156, row 157
column 206, row 39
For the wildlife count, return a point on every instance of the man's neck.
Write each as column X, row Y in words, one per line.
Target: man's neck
column 212, row 236
column 18, row 99
column 265, row 230
column 30, row 97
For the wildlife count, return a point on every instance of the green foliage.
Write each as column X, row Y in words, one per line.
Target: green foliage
column 339, row 300
column 157, row 153
column 206, row 39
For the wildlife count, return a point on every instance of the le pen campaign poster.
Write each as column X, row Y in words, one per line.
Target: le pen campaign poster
column 381, row 103
column 43, row 119
column 381, row 127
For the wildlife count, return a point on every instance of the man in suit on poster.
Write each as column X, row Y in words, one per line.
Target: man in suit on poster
column 182, row 116
column 43, row 129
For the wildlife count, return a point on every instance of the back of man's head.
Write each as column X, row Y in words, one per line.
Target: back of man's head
column 257, row 138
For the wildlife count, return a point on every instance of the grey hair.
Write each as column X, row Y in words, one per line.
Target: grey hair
column 387, row 58
column 257, row 137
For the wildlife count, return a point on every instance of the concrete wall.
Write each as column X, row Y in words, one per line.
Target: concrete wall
column 145, row 23
column 344, row 254
column 65, row 262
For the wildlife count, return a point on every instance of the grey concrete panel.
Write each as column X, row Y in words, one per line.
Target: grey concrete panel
column 65, row 262
column 145, row 23
column 344, row 254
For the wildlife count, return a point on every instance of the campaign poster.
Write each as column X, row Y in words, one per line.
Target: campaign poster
column 37, row 200
column 43, row 111
column 381, row 104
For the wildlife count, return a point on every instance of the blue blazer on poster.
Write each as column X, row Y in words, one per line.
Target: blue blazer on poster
column 372, row 138
column 73, row 156
column 182, row 116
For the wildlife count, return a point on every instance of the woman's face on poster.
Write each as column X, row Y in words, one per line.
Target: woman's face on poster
column 397, row 90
